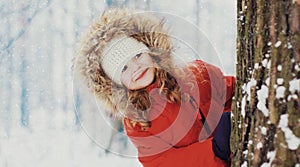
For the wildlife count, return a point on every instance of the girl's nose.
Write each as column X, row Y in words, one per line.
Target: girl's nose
column 134, row 65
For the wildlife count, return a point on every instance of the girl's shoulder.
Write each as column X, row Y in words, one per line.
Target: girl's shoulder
column 196, row 68
column 192, row 74
column 200, row 66
column 207, row 72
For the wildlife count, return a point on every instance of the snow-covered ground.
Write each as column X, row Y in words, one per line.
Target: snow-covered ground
column 57, row 147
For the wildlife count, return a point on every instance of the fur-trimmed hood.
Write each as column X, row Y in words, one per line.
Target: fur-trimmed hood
column 143, row 26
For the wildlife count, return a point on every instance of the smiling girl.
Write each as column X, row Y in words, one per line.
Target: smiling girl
column 175, row 116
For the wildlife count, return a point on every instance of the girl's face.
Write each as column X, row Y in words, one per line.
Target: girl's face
column 138, row 73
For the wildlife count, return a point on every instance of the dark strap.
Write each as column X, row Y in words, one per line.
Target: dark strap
column 195, row 106
column 221, row 140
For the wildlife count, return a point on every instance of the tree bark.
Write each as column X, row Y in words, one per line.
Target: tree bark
column 266, row 109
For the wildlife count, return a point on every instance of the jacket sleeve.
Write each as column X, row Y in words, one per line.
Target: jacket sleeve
column 215, row 89
column 154, row 151
column 230, row 87
column 197, row 155
column 147, row 143
column 214, row 96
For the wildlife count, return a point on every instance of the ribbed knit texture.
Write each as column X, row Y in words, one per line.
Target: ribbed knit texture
column 117, row 53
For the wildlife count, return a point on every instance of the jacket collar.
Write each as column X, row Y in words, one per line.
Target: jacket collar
column 152, row 86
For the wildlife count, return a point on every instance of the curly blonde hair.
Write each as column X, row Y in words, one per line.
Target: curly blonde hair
column 144, row 27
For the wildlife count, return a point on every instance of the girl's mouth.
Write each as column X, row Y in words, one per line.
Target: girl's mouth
column 141, row 75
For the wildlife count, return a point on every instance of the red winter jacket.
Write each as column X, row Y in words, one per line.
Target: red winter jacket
column 176, row 137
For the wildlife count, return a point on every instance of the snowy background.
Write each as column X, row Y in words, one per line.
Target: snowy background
column 38, row 105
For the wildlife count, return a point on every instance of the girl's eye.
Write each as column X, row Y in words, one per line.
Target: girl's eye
column 138, row 55
column 124, row 68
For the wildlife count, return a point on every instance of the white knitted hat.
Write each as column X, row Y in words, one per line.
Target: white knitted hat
column 117, row 53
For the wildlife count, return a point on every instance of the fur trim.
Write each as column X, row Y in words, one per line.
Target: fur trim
column 142, row 26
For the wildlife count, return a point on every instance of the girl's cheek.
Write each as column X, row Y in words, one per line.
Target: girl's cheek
column 125, row 78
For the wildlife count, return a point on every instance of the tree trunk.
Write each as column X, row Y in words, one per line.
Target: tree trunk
column 266, row 115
